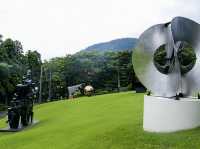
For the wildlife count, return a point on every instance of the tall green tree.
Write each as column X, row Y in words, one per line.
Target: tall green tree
column 34, row 62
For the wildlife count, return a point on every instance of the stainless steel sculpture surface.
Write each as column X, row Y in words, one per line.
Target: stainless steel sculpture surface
column 172, row 36
column 73, row 89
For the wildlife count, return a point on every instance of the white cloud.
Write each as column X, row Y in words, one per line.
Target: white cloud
column 59, row 27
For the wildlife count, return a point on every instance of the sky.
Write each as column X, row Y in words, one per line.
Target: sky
column 59, row 27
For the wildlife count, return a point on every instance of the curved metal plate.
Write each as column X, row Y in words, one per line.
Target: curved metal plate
column 184, row 29
column 167, row 85
column 159, row 84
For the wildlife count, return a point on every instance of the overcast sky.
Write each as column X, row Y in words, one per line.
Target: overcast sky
column 60, row 27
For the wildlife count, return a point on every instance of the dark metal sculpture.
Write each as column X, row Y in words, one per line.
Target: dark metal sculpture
column 21, row 107
column 168, row 80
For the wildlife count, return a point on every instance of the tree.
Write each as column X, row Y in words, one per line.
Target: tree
column 13, row 65
column 10, row 67
column 34, row 62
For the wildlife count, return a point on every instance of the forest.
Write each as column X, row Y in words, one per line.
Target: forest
column 105, row 71
column 14, row 64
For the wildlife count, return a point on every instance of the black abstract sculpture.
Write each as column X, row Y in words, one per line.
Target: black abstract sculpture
column 20, row 111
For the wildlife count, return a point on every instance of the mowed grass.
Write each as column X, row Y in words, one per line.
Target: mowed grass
column 112, row 121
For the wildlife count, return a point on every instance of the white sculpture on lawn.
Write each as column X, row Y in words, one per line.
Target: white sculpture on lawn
column 166, row 61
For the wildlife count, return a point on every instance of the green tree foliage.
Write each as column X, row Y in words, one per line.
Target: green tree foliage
column 186, row 57
column 34, row 62
column 101, row 70
column 55, row 68
column 13, row 65
column 11, row 68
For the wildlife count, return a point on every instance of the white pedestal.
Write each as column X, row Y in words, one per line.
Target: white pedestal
column 169, row 115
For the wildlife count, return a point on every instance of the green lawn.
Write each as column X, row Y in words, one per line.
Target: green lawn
column 112, row 121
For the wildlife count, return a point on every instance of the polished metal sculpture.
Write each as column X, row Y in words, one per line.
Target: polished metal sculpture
column 88, row 90
column 168, row 80
column 75, row 88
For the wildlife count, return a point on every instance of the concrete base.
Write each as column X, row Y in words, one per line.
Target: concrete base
column 8, row 129
column 169, row 115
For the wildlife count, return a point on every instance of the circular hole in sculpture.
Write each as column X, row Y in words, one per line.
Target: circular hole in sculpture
column 186, row 56
column 162, row 64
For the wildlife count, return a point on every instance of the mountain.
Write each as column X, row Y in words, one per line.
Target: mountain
column 121, row 44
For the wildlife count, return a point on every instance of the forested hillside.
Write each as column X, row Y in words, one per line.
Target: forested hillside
column 122, row 44
column 107, row 71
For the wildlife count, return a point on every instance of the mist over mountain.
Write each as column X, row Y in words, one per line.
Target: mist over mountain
column 122, row 44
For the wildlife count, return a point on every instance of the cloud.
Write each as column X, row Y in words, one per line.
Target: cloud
column 60, row 27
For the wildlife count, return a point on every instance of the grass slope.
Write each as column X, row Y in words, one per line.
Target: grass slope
column 112, row 121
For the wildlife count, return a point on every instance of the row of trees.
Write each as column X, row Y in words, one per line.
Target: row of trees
column 14, row 63
column 107, row 71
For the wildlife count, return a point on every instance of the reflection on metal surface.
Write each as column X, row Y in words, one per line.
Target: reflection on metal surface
column 175, row 74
